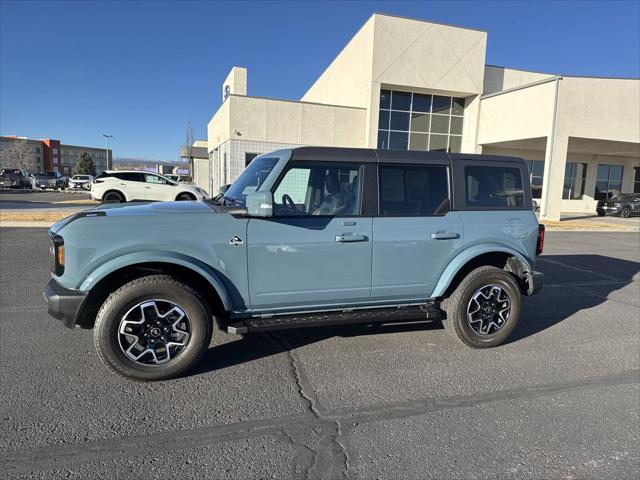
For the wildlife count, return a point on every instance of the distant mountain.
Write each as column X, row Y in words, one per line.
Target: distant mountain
column 140, row 163
column 143, row 160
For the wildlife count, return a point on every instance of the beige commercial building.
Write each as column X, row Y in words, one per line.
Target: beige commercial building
column 409, row 84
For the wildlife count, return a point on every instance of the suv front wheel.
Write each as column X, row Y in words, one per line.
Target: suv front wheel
column 152, row 328
column 484, row 308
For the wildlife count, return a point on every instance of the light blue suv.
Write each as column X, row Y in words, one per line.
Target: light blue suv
column 307, row 236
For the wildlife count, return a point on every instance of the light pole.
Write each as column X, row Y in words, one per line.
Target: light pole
column 107, row 137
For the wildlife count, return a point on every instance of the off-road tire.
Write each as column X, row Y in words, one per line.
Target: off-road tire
column 105, row 333
column 455, row 307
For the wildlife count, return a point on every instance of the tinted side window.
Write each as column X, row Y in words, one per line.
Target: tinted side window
column 413, row 190
column 494, row 187
column 130, row 176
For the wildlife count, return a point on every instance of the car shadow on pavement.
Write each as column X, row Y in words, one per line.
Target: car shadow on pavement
column 572, row 283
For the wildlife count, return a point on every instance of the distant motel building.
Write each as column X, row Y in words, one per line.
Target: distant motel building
column 51, row 155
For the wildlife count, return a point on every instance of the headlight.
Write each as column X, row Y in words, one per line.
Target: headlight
column 57, row 254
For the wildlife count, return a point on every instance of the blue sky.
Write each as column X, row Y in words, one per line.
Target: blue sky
column 141, row 70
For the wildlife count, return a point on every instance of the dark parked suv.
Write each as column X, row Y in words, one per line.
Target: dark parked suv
column 623, row 204
column 53, row 180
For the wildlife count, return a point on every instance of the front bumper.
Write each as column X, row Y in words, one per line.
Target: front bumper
column 608, row 210
column 535, row 281
column 64, row 304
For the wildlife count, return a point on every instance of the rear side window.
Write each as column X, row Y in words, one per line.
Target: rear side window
column 128, row 176
column 413, row 190
column 493, row 187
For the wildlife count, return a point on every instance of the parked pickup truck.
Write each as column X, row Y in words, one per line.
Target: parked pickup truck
column 307, row 236
column 14, row 178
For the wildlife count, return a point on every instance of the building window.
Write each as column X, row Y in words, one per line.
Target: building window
column 248, row 157
column 636, row 180
column 575, row 175
column 416, row 121
column 536, row 173
column 608, row 181
column 37, row 149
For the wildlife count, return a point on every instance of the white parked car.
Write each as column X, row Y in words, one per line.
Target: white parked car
column 81, row 181
column 128, row 185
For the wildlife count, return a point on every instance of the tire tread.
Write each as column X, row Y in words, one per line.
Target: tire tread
column 114, row 296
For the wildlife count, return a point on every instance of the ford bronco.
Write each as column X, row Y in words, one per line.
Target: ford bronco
column 307, row 236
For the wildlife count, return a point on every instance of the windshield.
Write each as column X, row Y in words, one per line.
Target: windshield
column 620, row 198
column 47, row 174
column 250, row 179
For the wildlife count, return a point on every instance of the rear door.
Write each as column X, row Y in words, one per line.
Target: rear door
column 415, row 234
column 131, row 184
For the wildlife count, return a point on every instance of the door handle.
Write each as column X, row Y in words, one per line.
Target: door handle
column 147, row 187
column 445, row 235
column 351, row 238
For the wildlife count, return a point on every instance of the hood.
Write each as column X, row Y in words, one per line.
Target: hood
column 138, row 209
column 153, row 208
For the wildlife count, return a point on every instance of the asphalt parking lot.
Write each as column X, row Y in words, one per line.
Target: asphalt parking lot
column 48, row 199
column 561, row 400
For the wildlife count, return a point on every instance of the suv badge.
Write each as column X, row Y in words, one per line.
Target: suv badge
column 235, row 241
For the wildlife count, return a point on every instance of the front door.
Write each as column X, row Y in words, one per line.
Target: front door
column 415, row 234
column 316, row 251
column 157, row 188
column 131, row 184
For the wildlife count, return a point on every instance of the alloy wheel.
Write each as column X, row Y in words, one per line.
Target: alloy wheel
column 488, row 310
column 154, row 332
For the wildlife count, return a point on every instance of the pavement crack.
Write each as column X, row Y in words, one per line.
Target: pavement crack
column 305, row 459
column 322, row 435
column 330, row 457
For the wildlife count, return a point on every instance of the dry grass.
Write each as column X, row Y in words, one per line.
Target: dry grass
column 588, row 226
column 80, row 201
column 50, row 217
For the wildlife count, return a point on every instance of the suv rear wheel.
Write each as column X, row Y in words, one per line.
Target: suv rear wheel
column 113, row 197
column 152, row 328
column 484, row 309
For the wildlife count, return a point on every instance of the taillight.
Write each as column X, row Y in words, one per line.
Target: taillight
column 540, row 244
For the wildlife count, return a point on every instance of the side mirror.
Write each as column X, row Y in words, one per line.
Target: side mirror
column 259, row 204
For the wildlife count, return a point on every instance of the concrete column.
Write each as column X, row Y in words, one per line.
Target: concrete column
column 555, row 160
column 470, row 126
column 371, row 134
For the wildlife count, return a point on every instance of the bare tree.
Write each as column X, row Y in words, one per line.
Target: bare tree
column 189, row 147
column 18, row 154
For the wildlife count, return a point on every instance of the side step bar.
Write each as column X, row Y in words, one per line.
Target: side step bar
column 344, row 317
